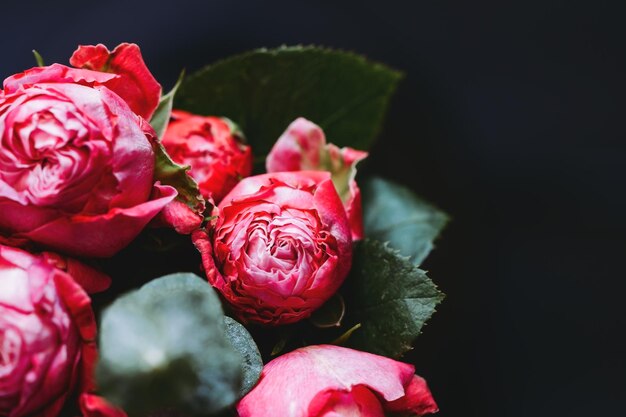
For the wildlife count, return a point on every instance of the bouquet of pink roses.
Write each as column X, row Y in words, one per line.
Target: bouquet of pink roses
column 210, row 251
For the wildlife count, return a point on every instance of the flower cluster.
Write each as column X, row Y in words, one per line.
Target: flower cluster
column 83, row 173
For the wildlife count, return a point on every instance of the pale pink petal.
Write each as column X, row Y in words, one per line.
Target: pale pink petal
column 290, row 383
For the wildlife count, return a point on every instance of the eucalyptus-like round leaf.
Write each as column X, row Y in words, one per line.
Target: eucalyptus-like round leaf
column 242, row 342
column 164, row 347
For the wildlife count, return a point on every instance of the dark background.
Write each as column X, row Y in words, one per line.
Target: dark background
column 511, row 118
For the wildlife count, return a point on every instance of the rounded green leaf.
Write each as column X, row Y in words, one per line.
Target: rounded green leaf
column 243, row 343
column 164, row 347
column 393, row 214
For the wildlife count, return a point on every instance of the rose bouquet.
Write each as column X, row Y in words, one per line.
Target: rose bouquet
column 210, row 251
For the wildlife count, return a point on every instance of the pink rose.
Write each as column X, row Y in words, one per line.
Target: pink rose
column 332, row 381
column 280, row 246
column 133, row 81
column 76, row 164
column 47, row 336
column 212, row 147
column 303, row 147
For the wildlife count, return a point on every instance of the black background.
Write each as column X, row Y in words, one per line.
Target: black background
column 511, row 118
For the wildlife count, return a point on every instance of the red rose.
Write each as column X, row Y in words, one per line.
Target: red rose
column 76, row 165
column 280, row 246
column 133, row 81
column 303, row 147
column 212, row 147
column 47, row 336
column 332, row 381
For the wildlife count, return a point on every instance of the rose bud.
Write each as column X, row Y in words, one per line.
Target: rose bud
column 333, row 381
column 76, row 164
column 303, row 147
column 134, row 82
column 213, row 147
column 47, row 336
column 280, row 246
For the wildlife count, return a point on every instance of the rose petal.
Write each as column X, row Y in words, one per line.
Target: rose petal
column 52, row 315
column 290, row 383
column 57, row 73
column 418, row 399
column 354, row 212
column 359, row 402
column 135, row 84
column 90, row 279
column 303, row 147
column 101, row 235
column 299, row 148
column 213, row 149
column 95, row 406
column 179, row 216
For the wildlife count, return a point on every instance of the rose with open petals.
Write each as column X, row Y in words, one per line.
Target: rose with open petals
column 213, row 148
column 76, row 164
column 332, row 381
column 280, row 246
column 47, row 336
column 303, row 147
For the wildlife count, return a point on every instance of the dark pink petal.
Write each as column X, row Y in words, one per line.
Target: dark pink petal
column 79, row 305
column 202, row 242
column 135, row 84
column 55, row 73
column 49, row 315
column 89, row 278
column 354, row 212
column 358, row 402
column 100, row 235
column 92, row 405
column 298, row 149
column 178, row 216
column 303, row 147
column 418, row 399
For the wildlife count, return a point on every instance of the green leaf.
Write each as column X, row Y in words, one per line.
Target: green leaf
column 242, row 341
column 266, row 89
column 161, row 116
column 390, row 297
column 164, row 347
column 392, row 213
column 169, row 172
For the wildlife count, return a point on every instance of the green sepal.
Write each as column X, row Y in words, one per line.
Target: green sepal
column 170, row 173
column 161, row 117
